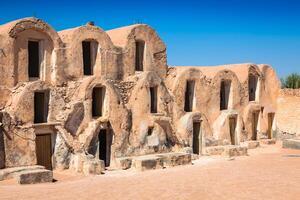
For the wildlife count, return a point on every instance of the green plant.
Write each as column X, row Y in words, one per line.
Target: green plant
column 291, row 81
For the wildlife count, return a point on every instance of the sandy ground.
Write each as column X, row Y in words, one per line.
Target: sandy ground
column 268, row 173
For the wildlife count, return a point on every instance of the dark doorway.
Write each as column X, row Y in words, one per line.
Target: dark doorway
column 105, row 141
column 139, row 55
column 270, row 124
column 255, row 116
column 224, row 94
column 197, row 138
column 98, row 101
column 189, row 96
column 89, row 56
column 41, row 104
column 153, row 99
column 252, row 85
column 2, row 147
column 33, row 59
column 43, row 150
column 232, row 127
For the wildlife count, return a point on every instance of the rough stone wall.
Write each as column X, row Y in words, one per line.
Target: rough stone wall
column 288, row 112
column 126, row 106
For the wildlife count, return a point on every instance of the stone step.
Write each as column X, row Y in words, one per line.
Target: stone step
column 34, row 176
column 9, row 173
column 251, row 144
column 229, row 150
column 291, row 143
column 154, row 161
column 267, row 141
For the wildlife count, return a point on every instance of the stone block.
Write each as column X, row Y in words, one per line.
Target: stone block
column 214, row 150
column 175, row 159
column 124, row 163
column 231, row 151
column 291, row 143
column 34, row 176
column 9, row 173
column 268, row 141
column 143, row 163
column 94, row 166
column 252, row 144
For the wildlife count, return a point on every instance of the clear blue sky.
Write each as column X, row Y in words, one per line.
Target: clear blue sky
column 210, row 32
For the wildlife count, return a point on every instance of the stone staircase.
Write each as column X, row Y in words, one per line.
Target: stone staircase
column 27, row 174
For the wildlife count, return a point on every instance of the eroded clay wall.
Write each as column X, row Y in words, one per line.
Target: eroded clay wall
column 288, row 113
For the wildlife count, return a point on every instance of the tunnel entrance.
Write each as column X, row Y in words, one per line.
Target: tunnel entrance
column 153, row 99
column 197, row 137
column 224, row 94
column 252, row 86
column 105, row 142
column 255, row 117
column 139, row 55
column 43, row 150
column 33, row 59
column 270, row 124
column 98, row 101
column 232, row 127
column 189, row 96
column 41, row 104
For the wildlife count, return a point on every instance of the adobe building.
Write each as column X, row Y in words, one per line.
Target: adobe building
column 84, row 99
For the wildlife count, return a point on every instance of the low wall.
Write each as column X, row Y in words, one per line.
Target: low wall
column 288, row 113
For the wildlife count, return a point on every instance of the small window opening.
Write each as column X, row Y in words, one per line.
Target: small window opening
column 153, row 99
column 98, row 101
column 89, row 53
column 150, row 131
column 224, row 94
column 41, row 104
column 252, row 86
column 189, row 96
column 139, row 55
column 33, row 59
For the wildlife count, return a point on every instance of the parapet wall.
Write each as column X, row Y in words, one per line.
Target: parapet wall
column 288, row 113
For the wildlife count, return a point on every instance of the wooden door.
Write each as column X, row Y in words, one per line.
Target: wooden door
column 270, row 124
column 197, row 139
column 43, row 150
column 255, row 116
column 232, row 126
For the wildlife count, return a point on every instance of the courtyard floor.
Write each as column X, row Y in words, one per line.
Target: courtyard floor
column 269, row 172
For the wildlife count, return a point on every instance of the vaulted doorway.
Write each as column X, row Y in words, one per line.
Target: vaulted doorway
column 197, row 137
column 105, row 141
column 43, row 150
column 270, row 124
column 232, row 127
column 255, row 116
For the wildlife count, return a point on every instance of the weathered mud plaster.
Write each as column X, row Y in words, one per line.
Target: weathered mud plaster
column 118, row 109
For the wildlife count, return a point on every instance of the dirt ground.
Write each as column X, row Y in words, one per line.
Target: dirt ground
column 269, row 172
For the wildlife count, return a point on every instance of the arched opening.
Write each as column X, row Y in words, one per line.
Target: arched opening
column 2, row 147
column 189, row 96
column 232, row 128
column 89, row 56
column 252, row 87
column 41, row 106
column 153, row 99
column 139, row 55
column 98, row 97
column 255, row 118
column 224, row 94
column 197, row 137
